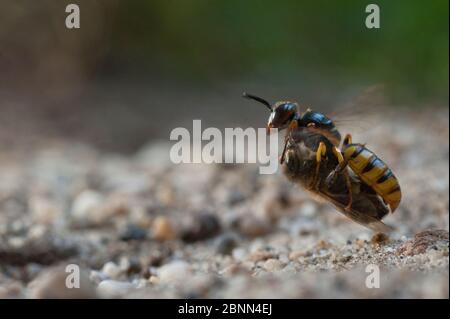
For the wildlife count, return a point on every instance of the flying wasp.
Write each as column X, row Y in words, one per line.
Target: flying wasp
column 354, row 180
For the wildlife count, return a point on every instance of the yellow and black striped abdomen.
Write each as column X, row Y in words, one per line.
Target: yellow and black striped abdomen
column 374, row 172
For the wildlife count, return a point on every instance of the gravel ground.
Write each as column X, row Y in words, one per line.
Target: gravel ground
column 141, row 227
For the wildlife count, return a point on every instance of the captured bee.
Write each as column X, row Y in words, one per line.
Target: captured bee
column 371, row 170
column 354, row 180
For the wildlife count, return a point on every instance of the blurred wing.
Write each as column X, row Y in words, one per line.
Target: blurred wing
column 359, row 217
column 361, row 112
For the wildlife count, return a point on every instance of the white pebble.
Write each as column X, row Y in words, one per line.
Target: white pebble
column 273, row 265
column 174, row 272
column 113, row 288
column 97, row 276
column 308, row 209
column 43, row 210
column 86, row 205
column 111, row 270
column 239, row 254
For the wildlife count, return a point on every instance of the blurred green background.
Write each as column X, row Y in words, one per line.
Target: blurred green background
column 201, row 40
column 183, row 50
column 231, row 39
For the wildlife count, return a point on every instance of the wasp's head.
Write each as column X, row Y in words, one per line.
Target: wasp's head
column 281, row 113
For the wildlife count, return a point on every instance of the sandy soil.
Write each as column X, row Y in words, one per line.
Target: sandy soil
column 141, row 227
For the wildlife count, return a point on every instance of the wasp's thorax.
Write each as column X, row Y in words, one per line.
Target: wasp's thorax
column 282, row 114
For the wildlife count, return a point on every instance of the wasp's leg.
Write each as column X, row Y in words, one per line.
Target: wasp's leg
column 350, row 192
column 321, row 151
column 341, row 168
column 347, row 140
column 283, row 154
column 342, row 164
column 288, row 139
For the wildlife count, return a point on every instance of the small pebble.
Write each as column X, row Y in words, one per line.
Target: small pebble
column 201, row 227
column 239, row 254
column 253, row 227
column 97, row 276
column 344, row 258
column 294, row 255
column 225, row 244
column 235, row 197
column 323, row 244
column 113, row 288
column 273, row 265
column 162, row 229
column 308, row 209
column 111, row 270
column 176, row 271
column 86, row 206
column 153, row 280
column 133, row 265
column 43, row 210
column 234, row 269
column 133, row 232
column 261, row 255
column 379, row 239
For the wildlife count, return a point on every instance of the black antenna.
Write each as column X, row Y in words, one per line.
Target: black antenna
column 256, row 98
